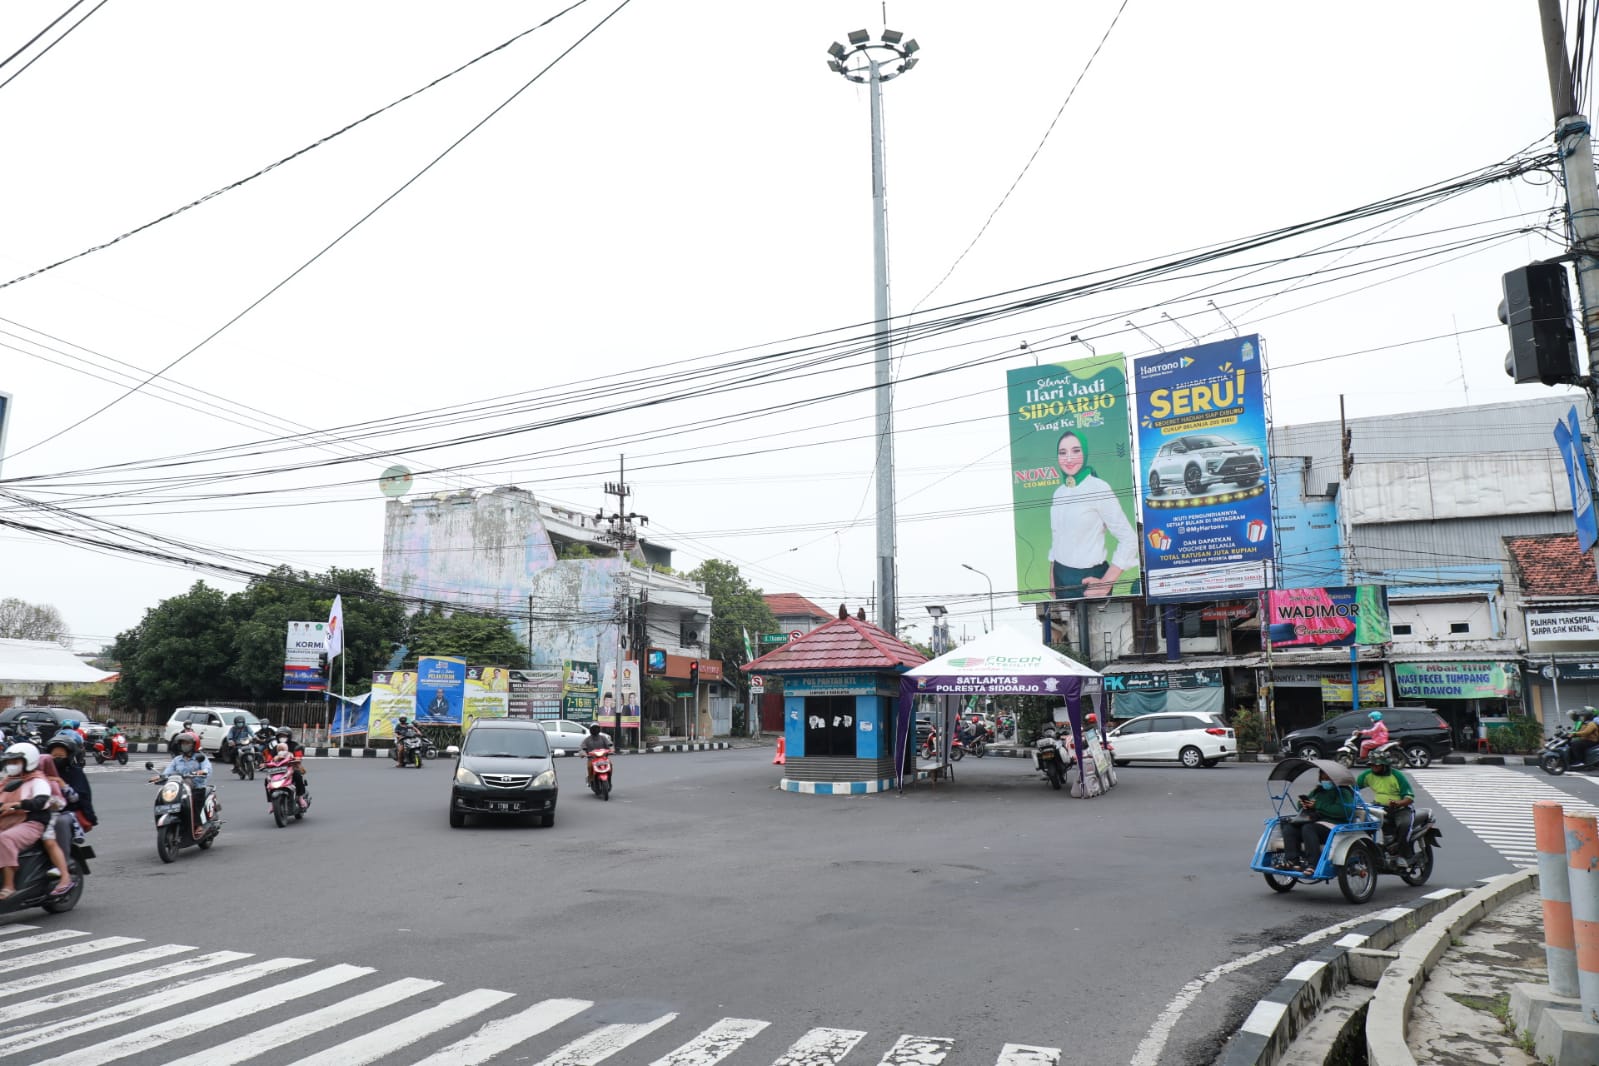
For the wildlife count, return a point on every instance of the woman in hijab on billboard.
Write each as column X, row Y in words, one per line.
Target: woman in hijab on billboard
column 1082, row 513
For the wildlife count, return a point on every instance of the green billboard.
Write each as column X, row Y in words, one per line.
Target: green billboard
column 1072, row 480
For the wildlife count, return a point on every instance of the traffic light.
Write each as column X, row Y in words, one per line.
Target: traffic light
column 1543, row 341
column 694, row 674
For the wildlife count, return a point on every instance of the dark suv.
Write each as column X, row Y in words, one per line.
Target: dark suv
column 42, row 720
column 1424, row 734
column 505, row 769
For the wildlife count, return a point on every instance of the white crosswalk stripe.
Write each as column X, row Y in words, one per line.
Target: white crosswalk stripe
column 1496, row 805
column 120, row 999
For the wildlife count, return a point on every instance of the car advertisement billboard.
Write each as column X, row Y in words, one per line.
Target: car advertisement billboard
column 1206, row 493
column 440, row 690
column 1072, row 480
column 1327, row 617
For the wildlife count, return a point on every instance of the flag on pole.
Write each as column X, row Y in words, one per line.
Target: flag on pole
column 336, row 628
column 749, row 652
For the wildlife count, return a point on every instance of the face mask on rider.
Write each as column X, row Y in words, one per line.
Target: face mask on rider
column 14, row 768
column 1326, row 786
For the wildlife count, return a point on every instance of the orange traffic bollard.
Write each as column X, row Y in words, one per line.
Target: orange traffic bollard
column 1582, row 851
column 1554, row 885
column 779, row 759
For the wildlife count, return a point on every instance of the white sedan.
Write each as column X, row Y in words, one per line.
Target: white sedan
column 565, row 735
column 1192, row 738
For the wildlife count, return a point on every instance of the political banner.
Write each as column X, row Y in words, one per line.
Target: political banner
column 393, row 695
column 1072, row 480
column 1206, row 492
column 440, row 689
column 620, row 706
column 487, row 694
column 303, row 647
column 350, row 717
column 1327, row 617
column 580, row 689
column 1568, row 437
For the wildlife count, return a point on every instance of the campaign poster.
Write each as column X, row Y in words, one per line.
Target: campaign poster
column 1206, row 493
column 1072, row 494
column 303, row 648
column 619, row 706
column 440, row 689
column 393, row 695
column 580, row 689
column 488, row 694
column 1327, row 617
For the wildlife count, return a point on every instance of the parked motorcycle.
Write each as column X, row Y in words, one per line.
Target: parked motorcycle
column 281, row 799
column 174, row 816
column 428, row 749
column 111, row 746
column 244, row 760
column 1349, row 754
column 1555, row 758
column 600, row 772
column 1050, row 759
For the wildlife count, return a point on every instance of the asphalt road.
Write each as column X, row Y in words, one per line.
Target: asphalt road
column 990, row 910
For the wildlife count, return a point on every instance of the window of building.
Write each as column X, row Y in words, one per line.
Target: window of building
column 1195, row 626
column 1401, row 629
column 1460, row 627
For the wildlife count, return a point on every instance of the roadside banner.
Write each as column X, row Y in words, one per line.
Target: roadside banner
column 350, row 716
column 304, row 644
column 1568, row 437
column 1458, row 681
column 1327, row 617
column 1071, row 479
column 1206, row 492
column 488, row 694
column 440, row 689
column 393, row 694
column 619, row 707
column 580, row 689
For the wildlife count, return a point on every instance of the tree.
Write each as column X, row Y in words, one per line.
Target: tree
column 20, row 620
column 181, row 652
column 479, row 640
column 736, row 608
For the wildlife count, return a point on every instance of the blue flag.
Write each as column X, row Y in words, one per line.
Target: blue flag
column 1568, row 436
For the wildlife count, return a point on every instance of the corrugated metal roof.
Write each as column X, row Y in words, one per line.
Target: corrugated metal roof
column 842, row 644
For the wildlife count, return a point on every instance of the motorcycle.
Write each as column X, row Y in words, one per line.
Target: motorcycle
column 1354, row 853
column 408, row 751
column 976, row 742
column 174, row 816
column 1050, row 759
column 1555, row 759
column 1349, row 753
column 34, row 883
column 244, row 760
column 111, row 746
column 600, row 772
column 281, row 799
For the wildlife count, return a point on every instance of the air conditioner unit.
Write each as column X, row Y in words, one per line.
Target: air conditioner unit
column 691, row 636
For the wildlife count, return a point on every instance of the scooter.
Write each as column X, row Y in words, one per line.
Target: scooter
column 111, row 746
column 1349, row 754
column 428, row 750
column 600, row 772
column 34, row 883
column 1049, row 758
column 244, row 760
column 174, row 816
column 410, row 751
column 281, row 799
column 1555, row 759
column 1423, row 836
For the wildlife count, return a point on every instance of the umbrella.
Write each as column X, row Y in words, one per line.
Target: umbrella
column 1289, row 769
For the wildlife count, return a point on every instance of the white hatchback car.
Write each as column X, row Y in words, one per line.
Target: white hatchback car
column 565, row 735
column 1192, row 738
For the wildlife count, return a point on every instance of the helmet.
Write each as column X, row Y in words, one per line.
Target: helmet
column 1577, row 714
column 24, row 751
column 238, row 719
column 1091, row 718
column 186, row 737
column 110, row 723
column 594, row 730
column 1379, row 758
column 63, row 739
column 69, row 723
column 265, row 724
column 1375, row 716
column 402, row 720
column 284, row 733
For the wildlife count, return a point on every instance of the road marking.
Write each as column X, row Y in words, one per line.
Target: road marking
column 165, row 1032
column 1150, row 1048
column 1027, row 1055
column 372, row 1046
column 88, row 969
column 821, row 1047
column 7, row 930
column 506, row 1033
column 41, row 938
column 714, row 1044
column 603, row 1043
column 167, row 997
column 1495, row 804
column 917, row 1051
column 83, row 947
column 291, row 1029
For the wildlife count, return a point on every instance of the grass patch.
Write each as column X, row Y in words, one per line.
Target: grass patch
column 1498, row 1006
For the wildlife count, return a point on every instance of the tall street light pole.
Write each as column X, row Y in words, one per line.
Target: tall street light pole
column 872, row 63
column 990, row 581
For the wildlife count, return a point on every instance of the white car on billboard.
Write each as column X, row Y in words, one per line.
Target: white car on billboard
column 1198, row 462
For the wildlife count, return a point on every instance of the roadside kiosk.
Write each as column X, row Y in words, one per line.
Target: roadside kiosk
column 841, row 682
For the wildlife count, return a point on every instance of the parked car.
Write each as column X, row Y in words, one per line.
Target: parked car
column 504, row 769
column 1196, row 462
column 43, row 720
column 564, row 735
column 1421, row 731
column 1192, row 738
column 211, row 723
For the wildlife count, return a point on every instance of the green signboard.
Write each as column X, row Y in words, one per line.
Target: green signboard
column 774, row 638
column 685, row 695
column 1457, row 681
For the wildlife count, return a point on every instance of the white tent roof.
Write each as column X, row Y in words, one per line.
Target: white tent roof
column 44, row 660
column 1004, row 651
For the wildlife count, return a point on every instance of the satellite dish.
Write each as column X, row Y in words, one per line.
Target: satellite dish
column 395, row 482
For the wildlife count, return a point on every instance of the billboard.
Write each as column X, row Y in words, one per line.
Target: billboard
column 1072, row 480
column 304, row 644
column 1327, row 617
column 580, row 689
column 628, row 705
column 1568, row 437
column 440, row 689
column 1206, row 490
column 1458, row 681
column 393, row 695
column 487, row 694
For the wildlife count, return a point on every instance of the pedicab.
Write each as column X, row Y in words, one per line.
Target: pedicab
column 1353, row 852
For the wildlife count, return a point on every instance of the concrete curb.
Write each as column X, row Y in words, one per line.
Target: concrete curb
column 844, row 788
column 373, row 753
column 1389, row 1015
column 1288, row 1008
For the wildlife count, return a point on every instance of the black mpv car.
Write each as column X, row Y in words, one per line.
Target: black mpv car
column 504, row 770
column 1424, row 734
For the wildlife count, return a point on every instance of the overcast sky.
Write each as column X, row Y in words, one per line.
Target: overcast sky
column 690, row 181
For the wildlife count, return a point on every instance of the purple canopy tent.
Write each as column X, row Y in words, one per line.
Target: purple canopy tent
column 1001, row 662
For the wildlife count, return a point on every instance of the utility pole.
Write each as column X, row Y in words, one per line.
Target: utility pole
column 624, row 534
column 869, row 62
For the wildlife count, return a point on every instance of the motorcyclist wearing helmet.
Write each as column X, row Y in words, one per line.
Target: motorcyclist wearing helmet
column 596, row 740
column 237, row 736
column 265, row 735
column 1585, row 735
column 403, row 729
column 1392, row 790
column 26, row 803
column 65, row 751
column 1376, row 736
column 285, row 739
column 191, row 762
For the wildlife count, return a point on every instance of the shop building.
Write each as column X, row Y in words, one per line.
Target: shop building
column 1557, row 597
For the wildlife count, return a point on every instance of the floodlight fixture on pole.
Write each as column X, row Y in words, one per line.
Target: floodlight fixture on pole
column 871, row 63
column 1078, row 340
column 990, row 581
